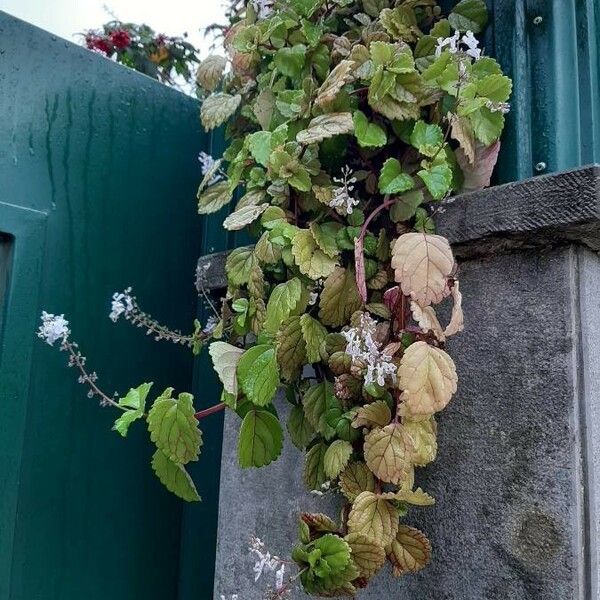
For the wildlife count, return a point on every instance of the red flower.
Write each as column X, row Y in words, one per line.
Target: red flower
column 120, row 39
column 98, row 43
column 160, row 39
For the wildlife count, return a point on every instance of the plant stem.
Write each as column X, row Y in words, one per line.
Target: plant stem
column 76, row 360
column 359, row 260
column 211, row 410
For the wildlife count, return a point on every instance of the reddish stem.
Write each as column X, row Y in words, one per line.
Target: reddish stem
column 211, row 410
column 359, row 259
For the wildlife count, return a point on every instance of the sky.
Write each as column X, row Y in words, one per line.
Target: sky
column 67, row 17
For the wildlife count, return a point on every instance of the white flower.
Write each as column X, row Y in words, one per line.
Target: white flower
column 211, row 324
column 472, row 43
column 122, row 303
column 455, row 42
column 207, row 164
column 361, row 346
column 263, row 8
column 451, row 42
column 501, row 107
column 279, row 575
column 313, row 298
column 342, row 199
column 264, row 560
column 53, row 328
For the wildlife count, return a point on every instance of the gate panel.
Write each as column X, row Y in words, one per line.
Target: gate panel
column 104, row 159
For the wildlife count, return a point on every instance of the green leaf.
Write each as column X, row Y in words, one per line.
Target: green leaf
column 368, row 134
column 317, row 400
column 239, row 265
column 258, row 374
column 325, row 236
column 261, row 439
column 285, row 299
column 259, row 144
column 406, row 206
column 469, row 15
column 305, row 8
column 487, row 125
column 311, row 260
column 174, row 477
column 217, row 108
column 314, row 335
column 427, row 138
column 495, row 87
column 214, row 198
column 291, row 348
column 299, row 427
column 423, row 222
column 173, row 427
column 263, row 107
column 290, row 61
column 392, row 180
column 314, row 468
column 136, row 397
column 336, row 458
column 339, row 298
column 400, row 23
column 312, row 32
column 438, row 179
column 123, row 422
column 225, row 359
column 485, row 66
column 326, row 126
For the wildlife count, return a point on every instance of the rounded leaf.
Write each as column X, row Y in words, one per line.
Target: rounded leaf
column 336, row 458
column 174, row 477
column 258, row 374
column 311, row 260
column 261, row 439
column 410, row 551
column 428, row 377
column 225, row 358
column 173, row 427
column 339, row 298
column 355, row 479
column 217, row 108
column 388, row 453
column 376, row 414
column 299, row 427
column 210, row 71
column 422, row 264
column 367, row 554
column 314, row 467
column 375, row 517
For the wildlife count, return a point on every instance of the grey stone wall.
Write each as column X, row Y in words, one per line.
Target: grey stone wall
column 517, row 507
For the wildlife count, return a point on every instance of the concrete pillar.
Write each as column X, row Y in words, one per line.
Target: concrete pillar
column 517, row 503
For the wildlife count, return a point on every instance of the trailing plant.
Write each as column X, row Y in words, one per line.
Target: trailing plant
column 350, row 124
column 138, row 46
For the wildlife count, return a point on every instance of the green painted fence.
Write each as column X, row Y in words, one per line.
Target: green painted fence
column 550, row 49
column 98, row 174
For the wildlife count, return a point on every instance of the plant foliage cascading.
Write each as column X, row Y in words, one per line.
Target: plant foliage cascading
column 350, row 123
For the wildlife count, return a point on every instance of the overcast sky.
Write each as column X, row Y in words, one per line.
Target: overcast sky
column 67, row 17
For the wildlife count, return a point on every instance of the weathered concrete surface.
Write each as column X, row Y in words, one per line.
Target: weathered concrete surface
column 517, row 509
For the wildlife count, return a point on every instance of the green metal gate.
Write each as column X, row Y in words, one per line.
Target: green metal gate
column 98, row 174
